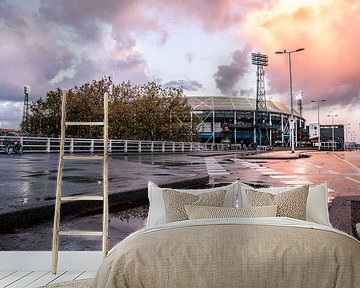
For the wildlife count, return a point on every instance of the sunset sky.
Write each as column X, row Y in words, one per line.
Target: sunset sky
column 202, row 45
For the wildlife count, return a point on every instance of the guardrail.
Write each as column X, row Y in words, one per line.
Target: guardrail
column 76, row 145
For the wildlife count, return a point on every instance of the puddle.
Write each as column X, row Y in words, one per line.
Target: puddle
column 161, row 174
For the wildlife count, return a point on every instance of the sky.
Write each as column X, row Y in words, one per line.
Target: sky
column 203, row 46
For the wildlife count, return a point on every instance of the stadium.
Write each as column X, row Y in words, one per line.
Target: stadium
column 233, row 119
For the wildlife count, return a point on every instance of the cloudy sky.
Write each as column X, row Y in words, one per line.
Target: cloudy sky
column 202, row 45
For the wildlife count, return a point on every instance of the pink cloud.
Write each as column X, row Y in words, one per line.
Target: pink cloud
column 329, row 66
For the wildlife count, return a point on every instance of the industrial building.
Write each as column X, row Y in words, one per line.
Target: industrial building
column 331, row 136
column 232, row 119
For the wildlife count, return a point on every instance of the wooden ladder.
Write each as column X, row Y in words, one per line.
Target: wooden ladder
column 56, row 231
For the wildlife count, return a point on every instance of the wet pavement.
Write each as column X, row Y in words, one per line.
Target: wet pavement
column 341, row 170
column 39, row 237
column 31, row 178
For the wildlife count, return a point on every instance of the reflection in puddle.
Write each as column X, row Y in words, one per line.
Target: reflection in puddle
column 300, row 170
column 139, row 213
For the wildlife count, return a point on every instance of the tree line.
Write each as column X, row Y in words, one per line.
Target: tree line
column 139, row 112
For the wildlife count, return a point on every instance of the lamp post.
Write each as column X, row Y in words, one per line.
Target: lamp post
column 332, row 129
column 291, row 96
column 346, row 127
column 319, row 129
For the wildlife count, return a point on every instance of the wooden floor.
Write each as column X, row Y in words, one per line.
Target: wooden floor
column 32, row 268
column 31, row 279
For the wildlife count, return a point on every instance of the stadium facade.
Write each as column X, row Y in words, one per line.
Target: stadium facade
column 233, row 119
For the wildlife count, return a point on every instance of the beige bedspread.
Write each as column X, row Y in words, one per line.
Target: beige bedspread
column 232, row 254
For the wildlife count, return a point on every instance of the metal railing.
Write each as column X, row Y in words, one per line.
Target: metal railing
column 76, row 145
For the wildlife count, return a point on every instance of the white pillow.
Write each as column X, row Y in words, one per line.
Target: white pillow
column 157, row 208
column 317, row 203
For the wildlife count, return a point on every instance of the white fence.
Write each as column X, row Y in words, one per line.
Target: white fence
column 76, row 145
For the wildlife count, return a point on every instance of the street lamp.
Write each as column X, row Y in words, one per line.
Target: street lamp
column 346, row 127
column 332, row 127
column 318, row 106
column 291, row 96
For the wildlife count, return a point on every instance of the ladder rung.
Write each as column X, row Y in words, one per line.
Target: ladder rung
column 83, row 157
column 84, row 123
column 81, row 233
column 75, row 198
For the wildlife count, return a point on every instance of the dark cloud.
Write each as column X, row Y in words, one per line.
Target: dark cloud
column 11, row 16
column 247, row 92
column 228, row 75
column 88, row 19
column 84, row 18
column 186, row 85
column 10, row 92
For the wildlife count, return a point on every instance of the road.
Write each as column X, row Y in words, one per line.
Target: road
column 31, row 178
column 340, row 170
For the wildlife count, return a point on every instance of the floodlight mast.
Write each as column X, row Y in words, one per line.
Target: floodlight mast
column 260, row 60
column 26, row 107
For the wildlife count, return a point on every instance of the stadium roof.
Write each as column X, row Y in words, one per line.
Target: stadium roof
column 226, row 103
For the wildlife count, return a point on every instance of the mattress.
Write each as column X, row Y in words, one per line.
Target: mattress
column 233, row 252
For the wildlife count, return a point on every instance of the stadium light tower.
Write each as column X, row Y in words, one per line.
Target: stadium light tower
column 26, row 104
column 260, row 60
column 291, row 96
column 318, row 108
column 299, row 98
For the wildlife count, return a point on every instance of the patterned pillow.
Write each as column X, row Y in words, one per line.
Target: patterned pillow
column 175, row 201
column 290, row 204
column 201, row 212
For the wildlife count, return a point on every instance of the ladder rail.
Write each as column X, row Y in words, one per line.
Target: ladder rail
column 103, row 197
column 105, row 179
column 55, row 244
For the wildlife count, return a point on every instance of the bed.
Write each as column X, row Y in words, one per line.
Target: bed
column 235, row 244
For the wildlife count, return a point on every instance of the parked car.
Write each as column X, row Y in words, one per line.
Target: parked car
column 11, row 143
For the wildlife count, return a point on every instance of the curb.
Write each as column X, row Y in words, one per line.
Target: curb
column 37, row 213
column 261, row 155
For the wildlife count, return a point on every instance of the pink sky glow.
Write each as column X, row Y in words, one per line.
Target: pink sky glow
column 203, row 45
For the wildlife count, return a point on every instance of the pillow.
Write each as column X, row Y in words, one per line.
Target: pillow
column 317, row 203
column 201, row 212
column 157, row 209
column 174, row 202
column 290, row 204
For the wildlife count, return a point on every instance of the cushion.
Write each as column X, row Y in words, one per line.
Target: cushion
column 317, row 203
column 157, row 209
column 290, row 203
column 201, row 212
column 175, row 201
